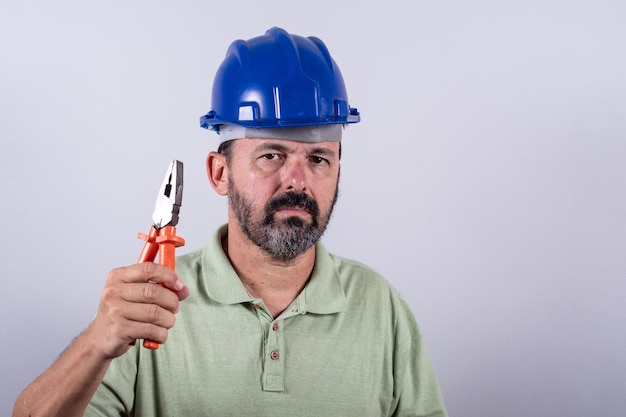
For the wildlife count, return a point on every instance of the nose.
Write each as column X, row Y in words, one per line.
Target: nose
column 295, row 179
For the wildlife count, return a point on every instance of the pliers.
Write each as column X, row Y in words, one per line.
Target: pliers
column 162, row 237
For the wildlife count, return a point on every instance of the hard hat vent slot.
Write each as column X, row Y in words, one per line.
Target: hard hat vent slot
column 247, row 112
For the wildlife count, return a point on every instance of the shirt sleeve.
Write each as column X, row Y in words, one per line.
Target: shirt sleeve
column 115, row 397
column 416, row 389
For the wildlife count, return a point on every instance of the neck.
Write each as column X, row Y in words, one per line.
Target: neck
column 277, row 283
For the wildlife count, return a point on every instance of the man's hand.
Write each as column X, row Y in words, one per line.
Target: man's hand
column 133, row 307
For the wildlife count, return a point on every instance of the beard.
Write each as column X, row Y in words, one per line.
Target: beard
column 284, row 240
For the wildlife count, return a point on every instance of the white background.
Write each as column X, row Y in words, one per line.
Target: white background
column 486, row 180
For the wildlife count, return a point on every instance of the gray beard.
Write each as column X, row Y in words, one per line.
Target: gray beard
column 284, row 240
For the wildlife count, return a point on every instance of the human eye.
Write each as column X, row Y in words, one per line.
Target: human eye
column 270, row 161
column 270, row 156
column 318, row 160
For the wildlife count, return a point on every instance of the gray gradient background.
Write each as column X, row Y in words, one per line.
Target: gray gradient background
column 486, row 180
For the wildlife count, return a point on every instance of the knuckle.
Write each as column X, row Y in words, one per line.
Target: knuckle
column 114, row 275
column 149, row 331
column 168, row 321
column 150, row 292
column 108, row 293
column 156, row 333
column 154, row 313
column 108, row 300
column 113, row 312
column 147, row 268
column 171, row 322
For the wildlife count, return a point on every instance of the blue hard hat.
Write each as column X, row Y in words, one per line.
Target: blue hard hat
column 278, row 80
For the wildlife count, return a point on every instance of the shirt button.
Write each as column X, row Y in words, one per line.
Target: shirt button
column 257, row 306
column 275, row 326
column 274, row 355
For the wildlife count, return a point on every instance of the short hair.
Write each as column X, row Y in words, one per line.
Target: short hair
column 225, row 149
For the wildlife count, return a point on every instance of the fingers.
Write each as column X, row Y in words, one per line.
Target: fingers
column 133, row 306
column 136, row 284
column 148, row 294
column 150, row 272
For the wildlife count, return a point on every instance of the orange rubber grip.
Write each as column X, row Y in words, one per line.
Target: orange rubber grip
column 168, row 242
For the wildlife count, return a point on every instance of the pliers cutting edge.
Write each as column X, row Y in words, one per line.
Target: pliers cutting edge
column 162, row 237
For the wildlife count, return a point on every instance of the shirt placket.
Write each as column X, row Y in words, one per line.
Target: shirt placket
column 273, row 378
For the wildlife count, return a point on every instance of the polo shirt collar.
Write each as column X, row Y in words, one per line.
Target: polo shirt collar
column 323, row 294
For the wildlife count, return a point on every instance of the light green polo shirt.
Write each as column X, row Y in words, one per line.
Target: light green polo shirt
column 347, row 346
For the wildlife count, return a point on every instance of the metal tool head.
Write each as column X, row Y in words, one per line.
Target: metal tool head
column 170, row 197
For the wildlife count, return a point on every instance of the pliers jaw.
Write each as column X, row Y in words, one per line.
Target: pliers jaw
column 170, row 197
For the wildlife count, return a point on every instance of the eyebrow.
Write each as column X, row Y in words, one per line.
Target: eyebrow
column 323, row 151
column 273, row 146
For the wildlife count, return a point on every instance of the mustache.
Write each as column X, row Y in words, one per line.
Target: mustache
column 291, row 199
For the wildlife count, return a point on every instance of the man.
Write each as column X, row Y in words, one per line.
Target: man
column 268, row 323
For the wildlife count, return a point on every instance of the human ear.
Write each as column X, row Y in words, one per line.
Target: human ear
column 217, row 171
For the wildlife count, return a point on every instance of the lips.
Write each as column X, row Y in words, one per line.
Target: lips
column 292, row 210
